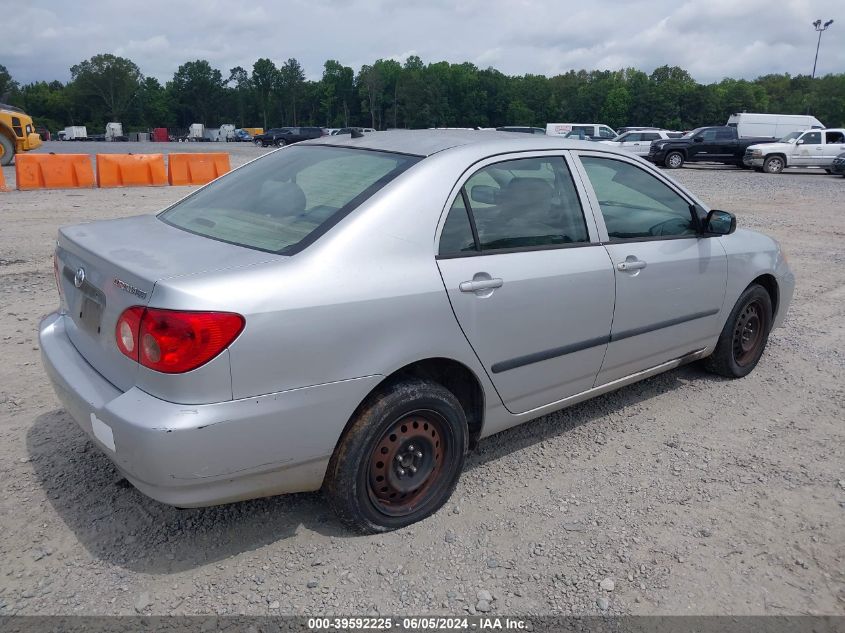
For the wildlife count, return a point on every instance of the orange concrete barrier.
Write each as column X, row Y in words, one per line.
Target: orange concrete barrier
column 130, row 170
column 2, row 181
column 196, row 169
column 53, row 171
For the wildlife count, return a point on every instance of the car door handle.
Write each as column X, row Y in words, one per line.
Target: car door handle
column 636, row 264
column 480, row 284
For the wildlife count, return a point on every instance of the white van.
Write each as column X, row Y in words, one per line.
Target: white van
column 587, row 130
column 749, row 124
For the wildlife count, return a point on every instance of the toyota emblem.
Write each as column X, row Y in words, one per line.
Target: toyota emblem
column 79, row 277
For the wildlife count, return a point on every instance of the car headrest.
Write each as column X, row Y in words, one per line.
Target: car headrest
column 527, row 195
column 281, row 199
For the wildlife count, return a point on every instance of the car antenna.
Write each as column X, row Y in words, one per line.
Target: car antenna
column 356, row 133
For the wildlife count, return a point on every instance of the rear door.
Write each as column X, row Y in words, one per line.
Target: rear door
column 670, row 282
column 529, row 282
column 834, row 144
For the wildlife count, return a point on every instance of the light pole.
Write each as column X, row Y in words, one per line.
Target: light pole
column 821, row 28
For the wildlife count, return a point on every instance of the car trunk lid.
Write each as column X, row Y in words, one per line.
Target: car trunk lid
column 106, row 267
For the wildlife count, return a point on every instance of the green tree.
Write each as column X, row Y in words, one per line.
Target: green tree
column 197, row 89
column 7, row 84
column 265, row 78
column 113, row 81
column 291, row 84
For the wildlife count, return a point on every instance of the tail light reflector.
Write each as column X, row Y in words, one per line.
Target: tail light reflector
column 175, row 341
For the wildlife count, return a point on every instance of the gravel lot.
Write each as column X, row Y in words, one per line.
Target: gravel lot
column 683, row 494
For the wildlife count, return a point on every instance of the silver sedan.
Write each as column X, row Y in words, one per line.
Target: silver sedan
column 353, row 314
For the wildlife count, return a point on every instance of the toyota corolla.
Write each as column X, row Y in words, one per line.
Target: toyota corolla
column 354, row 314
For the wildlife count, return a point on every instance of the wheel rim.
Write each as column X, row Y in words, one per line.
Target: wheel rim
column 674, row 160
column 775, row 165
column 407, row 462
column 748, row 333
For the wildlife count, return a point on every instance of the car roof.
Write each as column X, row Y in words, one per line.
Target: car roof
column 428, row 142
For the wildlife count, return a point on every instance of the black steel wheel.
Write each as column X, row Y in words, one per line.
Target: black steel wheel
column 744, row 337
column 400, row 459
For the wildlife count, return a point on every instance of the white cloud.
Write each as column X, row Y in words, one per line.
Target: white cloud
column 710, row 38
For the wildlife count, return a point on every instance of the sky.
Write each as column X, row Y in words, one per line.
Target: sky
column 712, row 39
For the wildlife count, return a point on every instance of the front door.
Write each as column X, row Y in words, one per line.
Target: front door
column 670, row 282
column 809, row 149
column 530, row 284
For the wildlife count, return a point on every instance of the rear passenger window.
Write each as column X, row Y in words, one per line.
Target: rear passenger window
column 456, row 237
column 526, row 203
column 650, row 136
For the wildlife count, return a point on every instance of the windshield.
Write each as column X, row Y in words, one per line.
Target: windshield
column 284, row 201
column 790, row 138
column 693, row 133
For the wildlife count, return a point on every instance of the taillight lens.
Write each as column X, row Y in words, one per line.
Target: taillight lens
column 175, row 341
column 126, row 331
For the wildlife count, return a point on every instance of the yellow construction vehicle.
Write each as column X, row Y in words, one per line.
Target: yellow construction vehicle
column 17, row 133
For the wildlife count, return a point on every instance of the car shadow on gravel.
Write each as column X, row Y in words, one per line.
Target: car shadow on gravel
column 593, row 410
column 121, row 526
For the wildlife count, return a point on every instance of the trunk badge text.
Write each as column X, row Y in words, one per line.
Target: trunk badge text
column 129, row 288
column 79, row 277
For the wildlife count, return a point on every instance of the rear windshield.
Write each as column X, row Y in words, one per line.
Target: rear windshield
column 284, row 201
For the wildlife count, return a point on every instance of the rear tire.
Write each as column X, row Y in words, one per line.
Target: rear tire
column 280, row 142
column 674, row 160
column 773, row 165
column 400, row 459
column 7, row 151
column 744, row 337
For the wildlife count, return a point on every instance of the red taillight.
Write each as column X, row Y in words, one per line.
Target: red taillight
column 175, row 341
column 126, row 331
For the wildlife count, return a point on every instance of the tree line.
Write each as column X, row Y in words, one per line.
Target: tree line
column 389, row 94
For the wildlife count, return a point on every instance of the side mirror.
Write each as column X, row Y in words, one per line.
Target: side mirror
column 719, row 223
column 800, row 141
column 485, row 194
column 698, row 139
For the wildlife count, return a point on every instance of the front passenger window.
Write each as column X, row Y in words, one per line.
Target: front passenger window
column 812, row 138
column 634, row 203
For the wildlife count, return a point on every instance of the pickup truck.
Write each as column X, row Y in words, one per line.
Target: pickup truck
column 703, row 145
column 810, row 148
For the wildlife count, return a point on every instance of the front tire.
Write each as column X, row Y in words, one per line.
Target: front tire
column 744, row 336
column 674, row 160
column 773, row 165
column 7, row 151
column 400, row 459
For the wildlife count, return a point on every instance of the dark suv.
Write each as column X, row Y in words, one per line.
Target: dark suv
column 286, row 135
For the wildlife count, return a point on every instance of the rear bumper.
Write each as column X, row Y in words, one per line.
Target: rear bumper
column 198, row 455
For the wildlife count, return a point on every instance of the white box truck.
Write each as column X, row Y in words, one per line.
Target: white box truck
column 750, row 124
column 74, row 133
column 114, row 132
column 220, row 134
column 196, row 132
column 581, row 130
